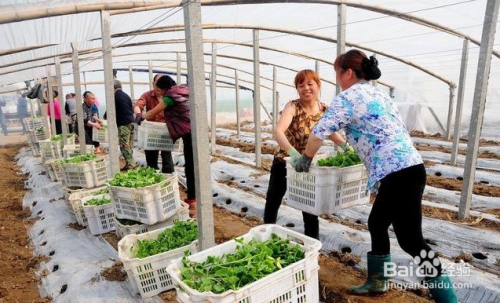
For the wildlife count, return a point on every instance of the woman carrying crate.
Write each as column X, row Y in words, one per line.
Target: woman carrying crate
column 175, row 106
column 291, row 132
column 374, row 127
column 150, row 100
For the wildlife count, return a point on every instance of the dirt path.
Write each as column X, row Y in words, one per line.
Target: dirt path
column 17, row 280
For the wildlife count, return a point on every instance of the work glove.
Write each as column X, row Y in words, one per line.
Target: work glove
column 346, row 147
column 139, row 118
column 294, row 155
column 303, row 164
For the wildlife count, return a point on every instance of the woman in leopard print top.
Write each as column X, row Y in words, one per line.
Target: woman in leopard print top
column 292, row 131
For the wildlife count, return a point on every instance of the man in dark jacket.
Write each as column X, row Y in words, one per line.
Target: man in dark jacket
column 125, row 124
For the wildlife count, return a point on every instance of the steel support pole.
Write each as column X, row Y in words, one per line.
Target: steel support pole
column 199, row 129
column 78, row 93
column 450, row 111
column 62, row 101
column 213, row 102
column 50, row 96
column 256, row 97
column 131, row 80
column 460, row 101
column 275, row 97
column 107, row 58
column 341, row 21
column 238, row 111
column 150, row 68
column 477, row 116
column 179, row 67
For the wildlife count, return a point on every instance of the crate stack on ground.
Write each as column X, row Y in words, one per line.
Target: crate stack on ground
column 145, row 200
column 51, row 151
column 74, row 199
column 37, row 131
column 146, row 256
column 326, row 189
column 155, row 136
column 268, row 264
column 84, row 178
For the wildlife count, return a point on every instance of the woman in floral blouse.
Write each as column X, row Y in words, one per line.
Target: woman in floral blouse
column 374, row 128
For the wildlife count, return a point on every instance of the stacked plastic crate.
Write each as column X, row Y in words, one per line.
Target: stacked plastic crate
column 37, row 131
column 146, row 208
column 84, row 178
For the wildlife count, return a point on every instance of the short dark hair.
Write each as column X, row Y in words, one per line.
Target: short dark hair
column 117, row 84
column 85, row 94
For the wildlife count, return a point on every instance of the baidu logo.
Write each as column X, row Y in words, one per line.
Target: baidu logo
column 427, row 269
column 424, row 265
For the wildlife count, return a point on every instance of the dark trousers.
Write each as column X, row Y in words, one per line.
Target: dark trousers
column 189, row 165
column 399, row 202
column 275, row 192
column 58, row 127
column 166, row 160
column 3, row 124
column 88, row 136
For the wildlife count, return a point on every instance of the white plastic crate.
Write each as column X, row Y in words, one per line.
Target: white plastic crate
column 34, row 123
column 148, row 205
column 38, row 134
column 122, row 230
column 296, row 283
column 100, row 219
column 53, row 149
column 155, row 136
column 326, row 190
column 35, row 149
column 50, row 171
column 100, row 135
column 74, row 198
column 71, row 150
column 148, row 276
column 56, row 169
column 86, row 174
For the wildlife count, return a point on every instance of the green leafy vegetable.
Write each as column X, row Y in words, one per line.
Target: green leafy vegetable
column 40, row 130
column 140, row 177
column 181, row 234
column 79, row 158
column 249, row 263
column 345, row 159
column 97, row 202
column 60, row 137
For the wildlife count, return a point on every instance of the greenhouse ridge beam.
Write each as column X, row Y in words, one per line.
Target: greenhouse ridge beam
column 174, row 28
column 377, row 9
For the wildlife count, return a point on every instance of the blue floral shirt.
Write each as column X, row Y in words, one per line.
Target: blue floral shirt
column 373, row 126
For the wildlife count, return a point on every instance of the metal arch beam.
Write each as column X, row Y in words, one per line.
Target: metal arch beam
column 181, row 41
column 206, row 54
column 377, row 9
column 13, row 13
column 174, row 28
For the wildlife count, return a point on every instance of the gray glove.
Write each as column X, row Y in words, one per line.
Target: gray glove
column 303, row 164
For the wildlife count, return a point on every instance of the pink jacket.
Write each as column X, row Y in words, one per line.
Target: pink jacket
column 57, row 109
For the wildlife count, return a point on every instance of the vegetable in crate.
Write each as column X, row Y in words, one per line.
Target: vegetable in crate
column 250, row 262
column 181, row 234
column 140, row 177
column 345, row 159
column 79, row 158
column 59, row 137
column 97, row 202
